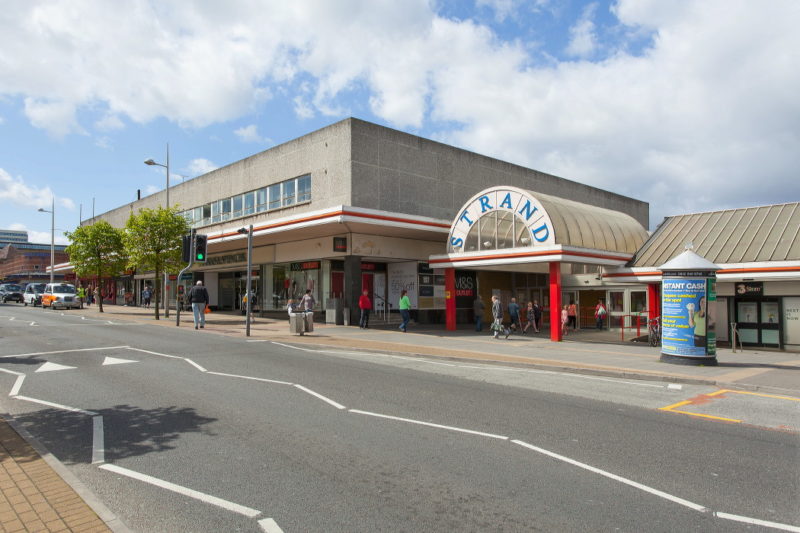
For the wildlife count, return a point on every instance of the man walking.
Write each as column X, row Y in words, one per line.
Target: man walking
column 405, row 309
column 513, row 312
column 497, row 314
column 198, row 297
column 477, row 308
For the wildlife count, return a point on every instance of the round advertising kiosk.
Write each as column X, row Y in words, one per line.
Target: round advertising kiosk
column 688, row 310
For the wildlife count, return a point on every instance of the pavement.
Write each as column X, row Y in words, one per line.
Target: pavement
column 37, row 493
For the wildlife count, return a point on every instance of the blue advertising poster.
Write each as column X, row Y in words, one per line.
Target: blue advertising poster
column 684, row 315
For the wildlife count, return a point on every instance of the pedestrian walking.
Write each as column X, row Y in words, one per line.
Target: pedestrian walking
column 198, row 297
column 147, row 294
column 564, row 320
column 600, row 314
column 477, row 308
column 405, row 309
column 572, row 315
column 81, row 295
column 530, row 315
column 307, row 302
column 537, row 315
column 513, row 313
column 497, row 315
column 365, row 305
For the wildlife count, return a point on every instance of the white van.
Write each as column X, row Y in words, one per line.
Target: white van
column 60, row 295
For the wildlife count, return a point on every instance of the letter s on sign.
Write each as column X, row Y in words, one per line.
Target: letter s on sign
column 456, row 242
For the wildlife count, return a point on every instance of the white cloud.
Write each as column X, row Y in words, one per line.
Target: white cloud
column 40, row 237
column 249, row 134
column 582, row 38
column 710, row 101
column 15, row 190
column 201, row 166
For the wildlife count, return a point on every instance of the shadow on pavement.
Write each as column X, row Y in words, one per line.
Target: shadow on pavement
column 128, row 431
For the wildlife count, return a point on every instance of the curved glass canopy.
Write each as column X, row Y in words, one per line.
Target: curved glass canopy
column 496, row 230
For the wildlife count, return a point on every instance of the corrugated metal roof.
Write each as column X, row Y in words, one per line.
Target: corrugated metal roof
column 589, row 226
column 753, row 234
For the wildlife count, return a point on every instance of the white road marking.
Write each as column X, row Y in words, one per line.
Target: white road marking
column 268, row 525
column 259, row 340
column 17, row 382
column 98, row 441
column 198, row 367
column 12, row 318
column 252, row 378
column 756, row 521
column 294, row 347
column 645, row 488
column 116, row 361
column 33, row 324
column 66, row 351
column 17, row 385
column 53, row 367
column 674, row 386
column 152, row 353
column 320, row 396
column 56, row 405
column 201, row 496
column 429, row 424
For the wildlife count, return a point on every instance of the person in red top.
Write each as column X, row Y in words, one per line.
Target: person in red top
column 365, row 305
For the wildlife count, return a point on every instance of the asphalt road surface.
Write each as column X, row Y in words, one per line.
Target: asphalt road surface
column 192, row 431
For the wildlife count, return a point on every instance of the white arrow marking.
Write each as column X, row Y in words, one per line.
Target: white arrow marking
column 115, row 361
column 51, row 367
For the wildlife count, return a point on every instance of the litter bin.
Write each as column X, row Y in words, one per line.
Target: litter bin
column 301, row 323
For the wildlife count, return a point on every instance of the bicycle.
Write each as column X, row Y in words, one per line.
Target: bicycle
column 654, row 331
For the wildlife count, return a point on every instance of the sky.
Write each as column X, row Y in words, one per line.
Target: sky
column 689, row 105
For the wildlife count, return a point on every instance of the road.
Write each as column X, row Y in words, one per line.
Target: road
column 192, row 431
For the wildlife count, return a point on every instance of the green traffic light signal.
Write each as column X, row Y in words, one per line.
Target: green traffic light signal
column 200, row 257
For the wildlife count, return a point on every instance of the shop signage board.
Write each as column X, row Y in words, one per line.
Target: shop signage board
column 403, row 276
column 750, row 288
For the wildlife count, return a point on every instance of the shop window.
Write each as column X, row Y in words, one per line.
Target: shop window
column 304, row 188
column 288, row 193
column 638, row 302
column 249, row 203
column 237, row 206
column 274, row 196
column 261, row 200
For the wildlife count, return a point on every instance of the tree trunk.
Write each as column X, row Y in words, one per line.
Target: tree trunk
column 158, row 286
column 99, row 290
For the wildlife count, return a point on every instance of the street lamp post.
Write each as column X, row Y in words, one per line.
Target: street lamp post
column 248, row 292
column 52, row 212
column 166, row 275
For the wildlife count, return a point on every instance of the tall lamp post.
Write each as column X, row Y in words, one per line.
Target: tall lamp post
column 248, row 291
column 52, row 212
column 166, row 275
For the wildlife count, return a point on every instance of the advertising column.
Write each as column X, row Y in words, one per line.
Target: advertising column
column 688, row 311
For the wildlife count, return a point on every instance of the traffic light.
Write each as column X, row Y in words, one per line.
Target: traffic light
column 186, row 248
column 200, row 245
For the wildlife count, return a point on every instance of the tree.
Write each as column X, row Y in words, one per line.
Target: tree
column 152, row 240
column 97, row 250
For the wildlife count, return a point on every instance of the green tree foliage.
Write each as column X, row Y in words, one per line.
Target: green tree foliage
column 97, row 250
column 152, row 240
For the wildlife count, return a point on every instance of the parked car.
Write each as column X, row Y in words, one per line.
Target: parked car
column 61, row 295
column 11, row 292
column 33, row 294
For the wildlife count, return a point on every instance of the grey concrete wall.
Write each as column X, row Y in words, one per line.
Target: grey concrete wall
column 325, row 154
column 396, row 171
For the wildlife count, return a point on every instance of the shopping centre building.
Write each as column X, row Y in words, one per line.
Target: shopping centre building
column 356, row 206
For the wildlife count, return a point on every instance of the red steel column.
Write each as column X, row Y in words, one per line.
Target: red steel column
column 555, row 301
column 653, row 300
column 450, row 298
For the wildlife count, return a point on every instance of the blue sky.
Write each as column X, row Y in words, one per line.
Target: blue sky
column 688, row 105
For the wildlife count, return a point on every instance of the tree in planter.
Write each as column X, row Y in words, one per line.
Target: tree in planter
column 152, row 240
column 97, row 250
